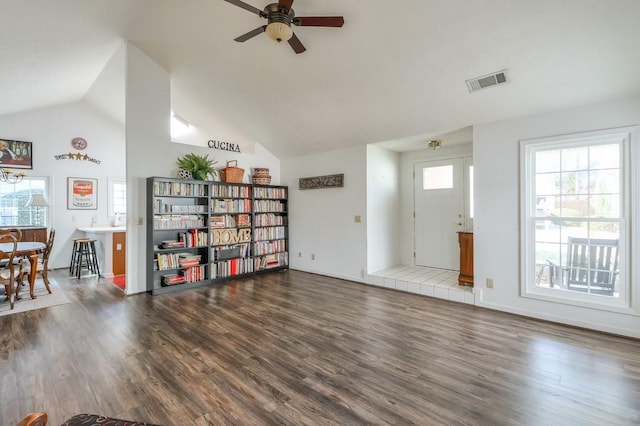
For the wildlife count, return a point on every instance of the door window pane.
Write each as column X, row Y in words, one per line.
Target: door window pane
column 440, row 177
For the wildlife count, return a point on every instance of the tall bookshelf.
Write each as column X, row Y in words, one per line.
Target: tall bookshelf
column 270, row 233
column 231, row 230
column 177, row 234
column 200, row 233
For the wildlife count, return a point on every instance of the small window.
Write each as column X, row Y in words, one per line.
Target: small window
column 440, row 177
column 119, row 197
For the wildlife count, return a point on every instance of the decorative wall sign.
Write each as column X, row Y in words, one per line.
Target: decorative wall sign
column 76, row 156
column 15, row 154
column 82, row 193
column 230, row 236
column 224, row 146
column 317, row 182
column 79, row 143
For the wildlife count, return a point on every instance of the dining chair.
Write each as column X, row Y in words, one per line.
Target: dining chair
column 10, row 266
column 43, row 264
column 12, row 231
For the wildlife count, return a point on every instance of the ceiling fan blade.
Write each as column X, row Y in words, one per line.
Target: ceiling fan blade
column 319, row 21
column 248, row 7
column 285, row 4
column 296, row 44
column 250, row 34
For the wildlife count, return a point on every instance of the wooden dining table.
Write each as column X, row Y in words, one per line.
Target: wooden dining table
column 30, row 250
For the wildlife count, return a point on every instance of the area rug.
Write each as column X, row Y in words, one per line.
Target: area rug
column 119, row 280
column 43, row 300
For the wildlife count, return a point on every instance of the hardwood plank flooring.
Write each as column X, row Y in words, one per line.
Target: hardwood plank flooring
column 300, row 349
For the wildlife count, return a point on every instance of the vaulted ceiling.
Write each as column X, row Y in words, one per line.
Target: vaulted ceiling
column 395, row 71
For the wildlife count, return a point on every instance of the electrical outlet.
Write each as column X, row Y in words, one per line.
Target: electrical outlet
column 299, row 254
column 313, row 256
column 139, row 221
column 357, row 218
column 489, row 283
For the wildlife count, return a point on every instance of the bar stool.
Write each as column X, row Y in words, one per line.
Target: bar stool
column 84, row 256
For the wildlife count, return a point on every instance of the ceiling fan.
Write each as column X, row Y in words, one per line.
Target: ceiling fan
column 280, row 16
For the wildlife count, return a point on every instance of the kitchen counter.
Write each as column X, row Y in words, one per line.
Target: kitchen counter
column 103, row 229
column 104, row 247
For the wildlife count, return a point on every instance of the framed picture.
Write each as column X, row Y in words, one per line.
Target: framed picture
column 82, row 193
column 15, row 154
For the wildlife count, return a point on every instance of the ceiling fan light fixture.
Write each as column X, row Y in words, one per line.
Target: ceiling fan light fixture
column 279, row 31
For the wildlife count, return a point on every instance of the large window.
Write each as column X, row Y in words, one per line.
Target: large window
column 14, row 199
column 576, row 210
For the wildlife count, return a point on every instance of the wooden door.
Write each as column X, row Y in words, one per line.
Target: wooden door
column 439, row 212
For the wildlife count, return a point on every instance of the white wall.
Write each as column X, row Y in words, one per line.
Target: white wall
column 407, row 162
column 51, row 130
column 150, row 152
column 383, row 208
column 321, row 221
column 496, row 231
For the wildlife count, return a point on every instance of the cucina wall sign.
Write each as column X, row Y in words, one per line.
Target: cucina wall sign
column 224, row 146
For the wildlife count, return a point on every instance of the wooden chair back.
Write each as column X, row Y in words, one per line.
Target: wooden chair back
column 592, row 265
column 12, row 231
column 7, row 267
column 48, row 248
column 34, row 419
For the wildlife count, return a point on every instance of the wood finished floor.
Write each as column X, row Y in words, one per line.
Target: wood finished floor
column 297, row 348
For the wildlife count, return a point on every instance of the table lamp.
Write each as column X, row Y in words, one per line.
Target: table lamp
column 38, row 201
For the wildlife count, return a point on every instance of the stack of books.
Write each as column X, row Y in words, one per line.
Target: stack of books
column 169, row 244
column 188, row 260
column 172, row 279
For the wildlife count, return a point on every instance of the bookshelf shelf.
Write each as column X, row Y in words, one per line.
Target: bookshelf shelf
column 232, row 230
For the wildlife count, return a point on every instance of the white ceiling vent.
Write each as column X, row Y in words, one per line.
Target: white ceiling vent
column 498, row 77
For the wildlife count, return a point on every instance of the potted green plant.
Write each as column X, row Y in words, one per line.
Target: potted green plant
column 200, row 166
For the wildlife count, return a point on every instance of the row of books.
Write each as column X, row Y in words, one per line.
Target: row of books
column 272, row 261
column 177, row 260
column 194, row 238
column 178, row 188
column 271, row 233
column 259, row 192
column 230, row 221
column 269, row 247
column 196, row 273
column 231, row 268
column 268, row 219
column 178, row 221
column 268, row 206
column 231, row 206
column 218, row 190
column 161, row 207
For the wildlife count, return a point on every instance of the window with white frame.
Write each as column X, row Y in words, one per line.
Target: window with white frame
column 119, row 197
column 575, row 217
column 14, row 198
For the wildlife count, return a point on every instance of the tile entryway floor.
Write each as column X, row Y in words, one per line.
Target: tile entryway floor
column 440, row 283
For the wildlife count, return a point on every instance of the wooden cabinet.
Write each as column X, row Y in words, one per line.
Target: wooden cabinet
column 119, row 253
column 32, row 234
column 465, row 240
